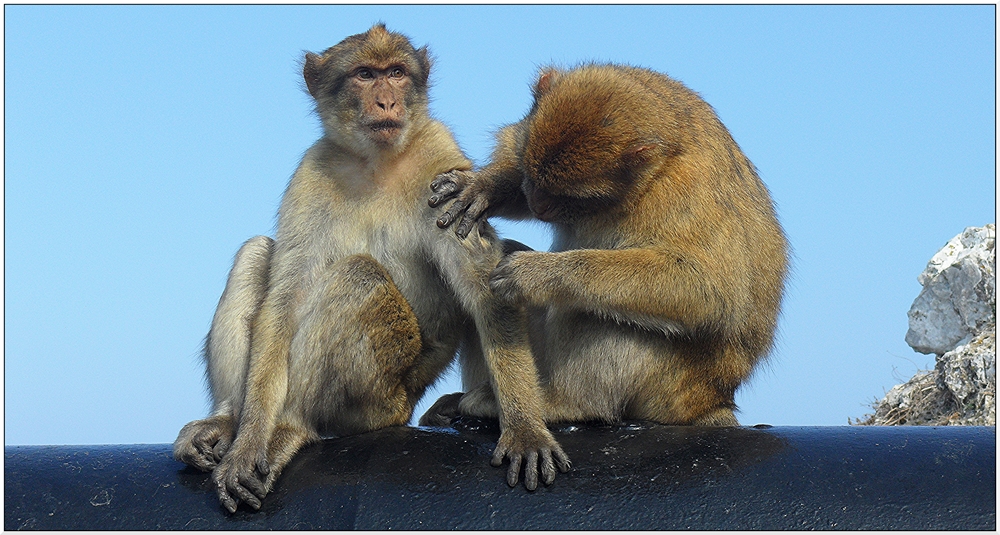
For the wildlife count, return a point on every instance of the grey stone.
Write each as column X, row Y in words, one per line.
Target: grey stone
column 958, row 296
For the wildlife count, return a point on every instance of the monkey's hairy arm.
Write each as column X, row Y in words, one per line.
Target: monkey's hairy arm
column 653, row 288
column 524, row 441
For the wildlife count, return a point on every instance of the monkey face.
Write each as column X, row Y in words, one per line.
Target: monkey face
column 382, row 101
column 367, row 87
column 555, row 208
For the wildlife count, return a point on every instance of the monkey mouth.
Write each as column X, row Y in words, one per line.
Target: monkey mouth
column 386, row 127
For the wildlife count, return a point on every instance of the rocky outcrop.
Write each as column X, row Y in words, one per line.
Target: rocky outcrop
column 958, row 298
column 954, row 317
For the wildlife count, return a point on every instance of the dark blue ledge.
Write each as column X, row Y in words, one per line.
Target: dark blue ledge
column 629, row 476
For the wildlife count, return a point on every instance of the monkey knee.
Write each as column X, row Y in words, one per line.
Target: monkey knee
column 391, row 325
column 257, row 245
column 254, row 256
column 361, row 270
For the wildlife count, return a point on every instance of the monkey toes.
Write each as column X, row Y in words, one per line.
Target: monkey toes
column 238, row 479
column 442, row 411
column 203, row 443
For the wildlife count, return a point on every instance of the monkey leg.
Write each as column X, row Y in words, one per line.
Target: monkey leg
column 475, row 377
column 719, row 417
column 480, row 402
column 202, row 443
column 442, row 412
column 353, row 343
column 227, row 347
column 693, row 405
column 688, row 390
column 356, row 343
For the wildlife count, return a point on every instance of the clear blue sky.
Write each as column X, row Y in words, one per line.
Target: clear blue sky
column 144, row 144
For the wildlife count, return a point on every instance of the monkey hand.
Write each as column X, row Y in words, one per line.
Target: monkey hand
column 240, row 477
column 473, row 199
column 509, row 279
column 536, row 448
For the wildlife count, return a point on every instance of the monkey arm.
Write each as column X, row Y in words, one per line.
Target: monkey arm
column 524, row 439
column 650, row 288
column 494, row 191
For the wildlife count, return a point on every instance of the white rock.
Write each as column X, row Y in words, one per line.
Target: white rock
column 959, row 294
column 970, row 369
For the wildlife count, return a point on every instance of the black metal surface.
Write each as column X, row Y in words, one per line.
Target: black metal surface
column 629, row 476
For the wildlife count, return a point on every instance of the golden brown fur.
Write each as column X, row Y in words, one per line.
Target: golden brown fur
column 339, row 324
column 664, row 283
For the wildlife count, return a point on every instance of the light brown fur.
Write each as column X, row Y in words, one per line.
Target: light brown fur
column 664, row 283
column 339, row 324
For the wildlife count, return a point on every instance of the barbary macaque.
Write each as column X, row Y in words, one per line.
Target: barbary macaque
column 339, row 324
column 663, row 285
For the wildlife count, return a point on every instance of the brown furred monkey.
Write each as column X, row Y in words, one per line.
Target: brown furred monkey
column 339, row 324
column 664, row 283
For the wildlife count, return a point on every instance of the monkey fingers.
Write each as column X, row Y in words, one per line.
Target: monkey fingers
column 503, row 280
column 471, row 204
column 207, row 459
column 453, row 212
column 472, row 214
column 550, row 458
column 221, row 447
column 514, row 470
column 549, row 455
column 446, row 186
column 246, row 486
column 202, row 443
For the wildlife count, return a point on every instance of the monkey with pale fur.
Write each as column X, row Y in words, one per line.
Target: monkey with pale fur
column 662, row 289
column 338, row 324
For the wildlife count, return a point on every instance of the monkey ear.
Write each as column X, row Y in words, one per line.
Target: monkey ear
column 424, row 59
column 545, row 80
column 312, row 72
column 639, row 154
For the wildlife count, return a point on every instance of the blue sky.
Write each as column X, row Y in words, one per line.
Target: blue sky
column 144, row 144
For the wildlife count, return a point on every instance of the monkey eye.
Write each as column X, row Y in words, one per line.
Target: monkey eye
column 364, row 74
column 397, row 72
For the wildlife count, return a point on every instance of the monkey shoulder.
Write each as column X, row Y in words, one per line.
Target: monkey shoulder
column 438, row 151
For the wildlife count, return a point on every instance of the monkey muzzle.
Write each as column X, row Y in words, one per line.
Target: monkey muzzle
column 386, row 131
column 542, row 205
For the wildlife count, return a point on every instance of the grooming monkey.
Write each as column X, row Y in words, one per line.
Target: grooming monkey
column 662, row 289
column 338, row 324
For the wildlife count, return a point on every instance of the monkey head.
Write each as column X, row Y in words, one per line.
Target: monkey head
column 369, row 88
column 583, row 148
